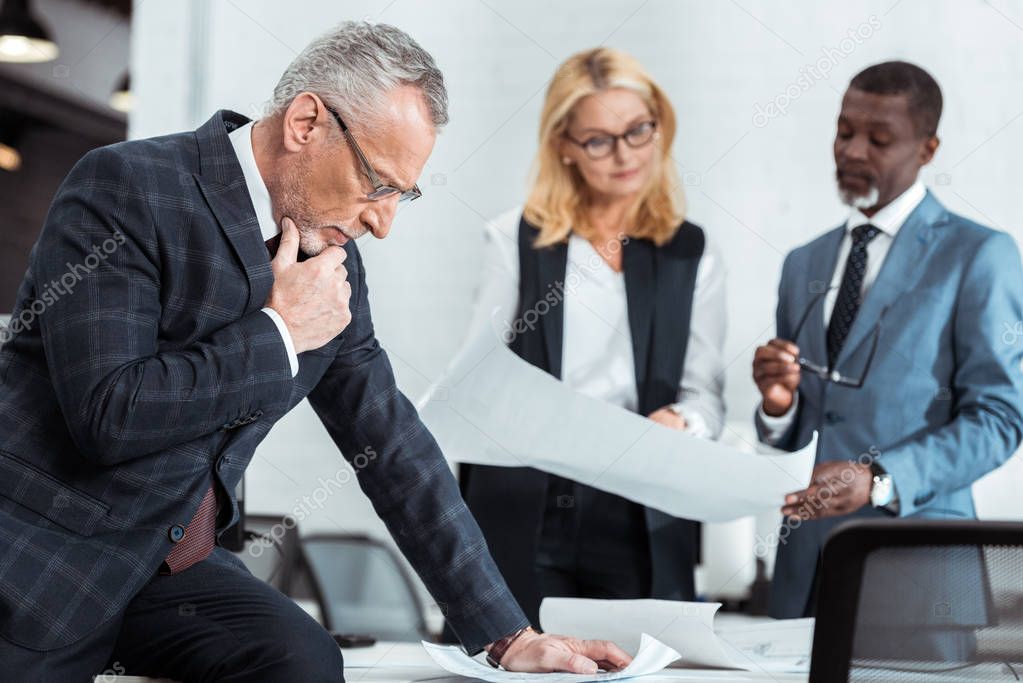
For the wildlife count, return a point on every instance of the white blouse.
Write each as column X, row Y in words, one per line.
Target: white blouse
column 597, row 357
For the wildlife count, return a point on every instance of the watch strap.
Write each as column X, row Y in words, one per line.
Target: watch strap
column 496, row 652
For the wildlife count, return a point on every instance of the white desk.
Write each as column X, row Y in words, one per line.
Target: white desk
column 409, row 663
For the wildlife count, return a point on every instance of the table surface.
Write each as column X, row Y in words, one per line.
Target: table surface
column 409, row 663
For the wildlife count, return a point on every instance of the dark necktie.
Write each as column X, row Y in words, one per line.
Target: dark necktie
column 272, row 244
column 850, row 293
column 200, row 536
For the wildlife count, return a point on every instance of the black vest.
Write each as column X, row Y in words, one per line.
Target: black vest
column 509, row 502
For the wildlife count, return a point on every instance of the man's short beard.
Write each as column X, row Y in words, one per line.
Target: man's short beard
column 288, row 198
column 860, row 201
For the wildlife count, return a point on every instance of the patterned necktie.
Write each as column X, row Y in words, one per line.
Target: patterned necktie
column 850, row 293
column 199, row 538
column 200, row 535
column 272, row 244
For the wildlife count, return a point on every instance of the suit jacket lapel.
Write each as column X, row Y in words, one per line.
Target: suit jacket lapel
column 552, row 263
column 901, row 270
column 640, row 275
column 223, row 184
column 822, row 266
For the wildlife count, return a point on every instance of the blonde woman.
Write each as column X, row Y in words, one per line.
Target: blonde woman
column 600, row 281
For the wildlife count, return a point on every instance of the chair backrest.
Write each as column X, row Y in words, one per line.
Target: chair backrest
column 363, row 588
column 271, row 550
column 920, row 600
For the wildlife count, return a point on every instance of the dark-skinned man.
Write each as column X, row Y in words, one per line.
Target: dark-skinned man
column 889, row 340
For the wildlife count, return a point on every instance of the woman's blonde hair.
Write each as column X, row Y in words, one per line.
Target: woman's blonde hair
column 559, row 195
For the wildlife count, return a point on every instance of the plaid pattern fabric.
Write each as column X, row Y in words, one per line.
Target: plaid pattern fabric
column 144, row 373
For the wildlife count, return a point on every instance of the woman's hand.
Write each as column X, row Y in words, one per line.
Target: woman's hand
column 669, row 418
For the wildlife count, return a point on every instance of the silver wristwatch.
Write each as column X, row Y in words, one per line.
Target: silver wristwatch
column 882, row 491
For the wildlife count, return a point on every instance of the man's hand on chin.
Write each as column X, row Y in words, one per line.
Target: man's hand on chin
column 533, row 652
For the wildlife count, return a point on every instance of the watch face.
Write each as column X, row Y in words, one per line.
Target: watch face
column 881, row 491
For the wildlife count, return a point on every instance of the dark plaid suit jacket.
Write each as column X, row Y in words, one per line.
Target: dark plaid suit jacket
column 141, row 369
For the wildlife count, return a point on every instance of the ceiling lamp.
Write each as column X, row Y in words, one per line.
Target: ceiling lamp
column 10, row 158
column 22, row 38
column 122, row 98
column 12, row 128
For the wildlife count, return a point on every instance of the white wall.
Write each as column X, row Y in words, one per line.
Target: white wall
column 758, row 189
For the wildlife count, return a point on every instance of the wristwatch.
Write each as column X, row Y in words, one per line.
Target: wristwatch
column 882, row 490
column 497, row 650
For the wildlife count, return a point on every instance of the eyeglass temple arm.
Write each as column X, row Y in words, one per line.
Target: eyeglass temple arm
column 374, row 178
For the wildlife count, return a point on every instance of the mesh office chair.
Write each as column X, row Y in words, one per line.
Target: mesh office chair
column 363, row 588
column 271, row 549
column 920, row 600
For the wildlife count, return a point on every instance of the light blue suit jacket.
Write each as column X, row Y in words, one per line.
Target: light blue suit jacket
column 942, row 402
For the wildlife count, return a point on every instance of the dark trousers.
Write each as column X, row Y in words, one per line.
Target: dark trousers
column 593, row 544
column 212, row 622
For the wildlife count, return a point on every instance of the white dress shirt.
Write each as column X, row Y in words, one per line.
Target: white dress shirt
column 596, row 353
column 597, row 357
column 241, row 140
column 889, row 220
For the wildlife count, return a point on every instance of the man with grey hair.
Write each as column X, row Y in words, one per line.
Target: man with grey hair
column 216, row 283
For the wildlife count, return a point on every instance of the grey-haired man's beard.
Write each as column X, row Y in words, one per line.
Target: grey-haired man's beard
column 288, row 198
column 288, row 192
column 860, row 201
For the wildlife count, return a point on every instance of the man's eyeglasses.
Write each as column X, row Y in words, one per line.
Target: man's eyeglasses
column 830, row 374
column 381, row 190
column 601, row 146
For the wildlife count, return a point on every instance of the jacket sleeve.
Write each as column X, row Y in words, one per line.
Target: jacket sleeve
column 96, row 275
column 786, row 440
column 987, row 385
column 402, row 471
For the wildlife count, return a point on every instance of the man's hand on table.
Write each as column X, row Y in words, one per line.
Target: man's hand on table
column 533, row 652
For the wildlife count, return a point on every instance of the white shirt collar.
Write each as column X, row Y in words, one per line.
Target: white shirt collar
column 241, row 140
column 892, row 217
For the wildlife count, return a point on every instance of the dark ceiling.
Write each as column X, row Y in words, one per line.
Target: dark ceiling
column 122, row 7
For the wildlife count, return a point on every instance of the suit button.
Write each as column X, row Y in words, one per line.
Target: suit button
column 832, row 417
column 176, row 533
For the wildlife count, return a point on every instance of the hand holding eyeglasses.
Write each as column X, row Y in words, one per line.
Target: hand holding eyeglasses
column 776, row 372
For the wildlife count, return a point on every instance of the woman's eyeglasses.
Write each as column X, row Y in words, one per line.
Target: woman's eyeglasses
column 601, row 146
column 381, row 190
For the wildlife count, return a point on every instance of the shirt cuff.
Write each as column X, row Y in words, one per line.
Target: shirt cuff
column 696, row 424
column 893, row 507
column 775, row 427
column 289, row 344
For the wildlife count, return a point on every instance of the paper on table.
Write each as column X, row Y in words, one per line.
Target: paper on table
column 493, row 408
column 651, row 656
column 688, row 628
column 777, row 646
